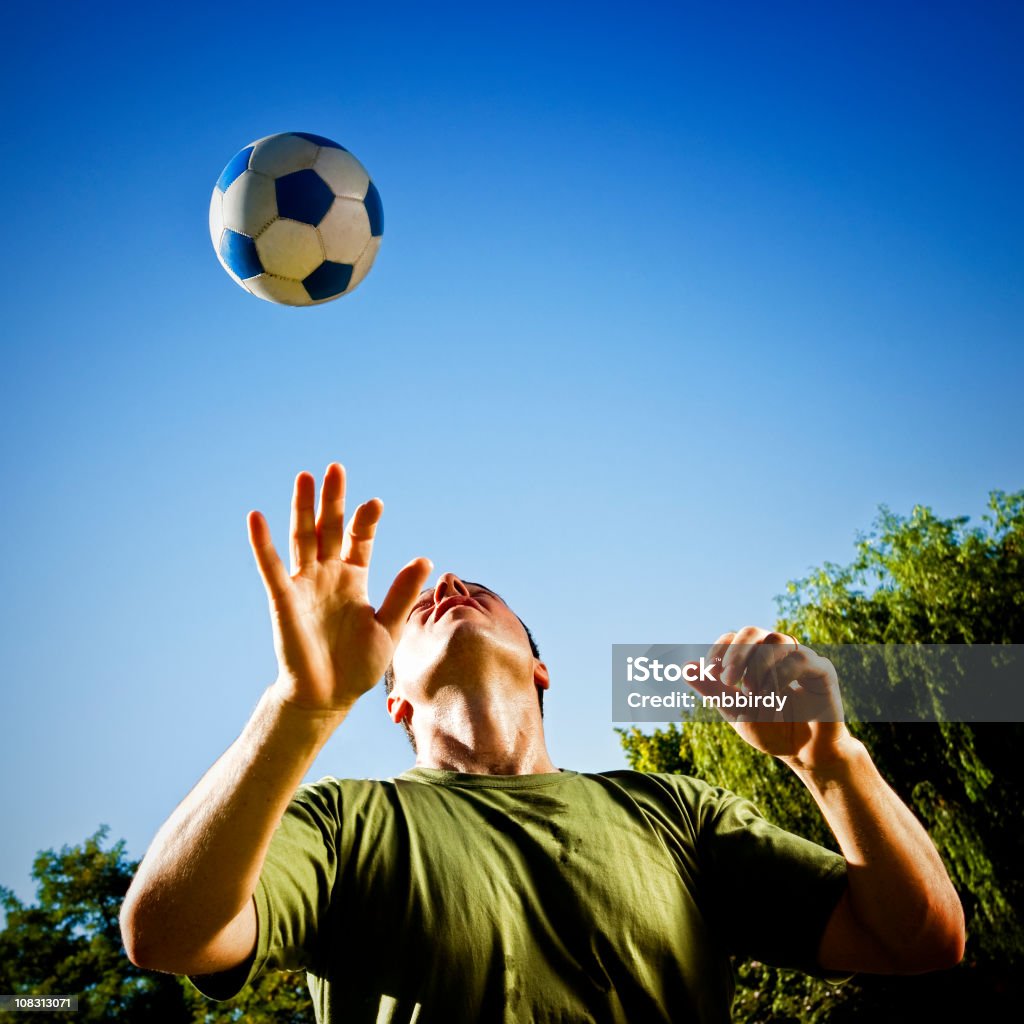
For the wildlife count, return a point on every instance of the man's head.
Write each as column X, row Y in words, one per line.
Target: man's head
column 460, row 634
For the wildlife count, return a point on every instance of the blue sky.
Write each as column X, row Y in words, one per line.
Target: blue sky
column 670, row 299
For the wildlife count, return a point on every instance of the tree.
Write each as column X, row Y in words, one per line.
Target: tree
column 69, row 942
column 919, row 579
column 278, row 997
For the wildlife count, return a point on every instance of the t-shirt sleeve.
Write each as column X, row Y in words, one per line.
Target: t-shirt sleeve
column 293, row 892
column 771, row 892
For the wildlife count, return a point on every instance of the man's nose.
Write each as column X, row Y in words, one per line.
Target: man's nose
column 448, row 586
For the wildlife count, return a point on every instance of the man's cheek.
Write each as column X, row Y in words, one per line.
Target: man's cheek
column 401, row 658
column 415, row 649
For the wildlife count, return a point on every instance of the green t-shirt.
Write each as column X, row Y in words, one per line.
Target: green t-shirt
column 613, row 897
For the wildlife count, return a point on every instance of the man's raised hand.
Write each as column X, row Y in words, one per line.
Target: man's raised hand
column 809, row 731
column 332, row 645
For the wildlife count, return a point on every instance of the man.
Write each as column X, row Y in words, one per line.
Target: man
column 485, row 884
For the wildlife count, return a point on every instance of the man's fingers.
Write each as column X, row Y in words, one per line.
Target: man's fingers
column 357, row 543
column 705, row 687
column 710, row 688
column 302, row 528
column 330, row 521
column 779, row 659
column 718, row 648
column 402, row 594
column 736, row 655
column 752, row 653
column 764, row 659
column 814, row 673
column 271, row 568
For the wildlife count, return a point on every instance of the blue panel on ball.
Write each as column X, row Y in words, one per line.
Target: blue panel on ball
column 303, row 196
column 238, row 163
column 318, row 140
column 328, row 280
column 374, row 210
column 239, row 253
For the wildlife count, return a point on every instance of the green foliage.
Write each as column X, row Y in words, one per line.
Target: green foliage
column 277, row 998
column 919, row 579
column 69, row 943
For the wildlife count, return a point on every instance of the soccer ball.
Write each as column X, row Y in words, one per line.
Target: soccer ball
column 295, row 219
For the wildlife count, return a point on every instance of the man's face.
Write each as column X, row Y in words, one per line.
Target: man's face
column 459, row 631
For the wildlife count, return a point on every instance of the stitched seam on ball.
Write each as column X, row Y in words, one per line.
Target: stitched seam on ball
column 276, row 217
column 362, row 252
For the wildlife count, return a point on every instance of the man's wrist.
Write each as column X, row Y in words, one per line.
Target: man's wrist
column 844, row 759
column 305, row 725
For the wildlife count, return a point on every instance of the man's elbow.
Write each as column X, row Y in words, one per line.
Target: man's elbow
column 950, row 933
column 133, row 937
column 950, row 951
column 157, row 941
column 144, row 938
column 941, row 948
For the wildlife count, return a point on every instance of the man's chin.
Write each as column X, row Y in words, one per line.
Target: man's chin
column 465, row 641
column 462, row 625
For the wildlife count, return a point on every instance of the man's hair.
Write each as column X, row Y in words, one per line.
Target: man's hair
column 389, row 672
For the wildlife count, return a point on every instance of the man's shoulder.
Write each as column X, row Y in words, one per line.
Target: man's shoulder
column 328, row 795
column 335, row 783
column 630, row 778
column 685, row 792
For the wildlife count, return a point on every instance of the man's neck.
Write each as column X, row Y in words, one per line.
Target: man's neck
column 484, row 735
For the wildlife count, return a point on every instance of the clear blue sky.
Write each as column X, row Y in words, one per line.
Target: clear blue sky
column 671, row 297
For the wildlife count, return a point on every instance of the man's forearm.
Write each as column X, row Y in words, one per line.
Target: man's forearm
column 899, row 891
column 201, row 870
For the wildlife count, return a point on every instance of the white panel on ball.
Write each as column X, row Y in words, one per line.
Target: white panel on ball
column 345, row 230
column 290, row 249
column 279, row 289
column 343, row 172
column 216, row 217
column 250, row 203
column 282, row 154
column 365, row 261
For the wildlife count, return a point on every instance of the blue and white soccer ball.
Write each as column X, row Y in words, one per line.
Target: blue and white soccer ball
column 295, row 219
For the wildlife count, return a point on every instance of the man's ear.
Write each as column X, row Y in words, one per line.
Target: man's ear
column 540, row 674
column 398, row 708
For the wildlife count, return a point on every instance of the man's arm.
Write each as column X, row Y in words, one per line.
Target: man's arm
column 900, row 913
column 190, row 908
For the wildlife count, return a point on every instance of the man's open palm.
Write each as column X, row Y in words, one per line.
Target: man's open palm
column 332, row 645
